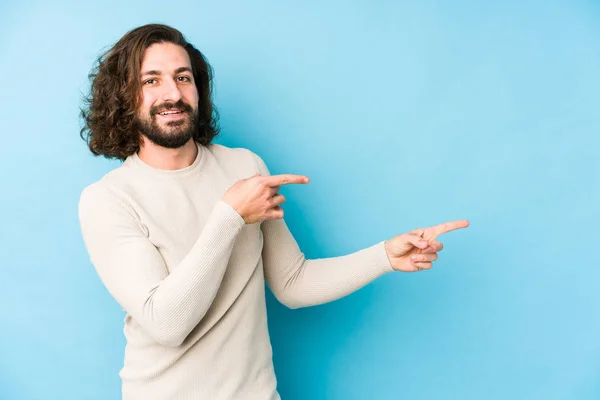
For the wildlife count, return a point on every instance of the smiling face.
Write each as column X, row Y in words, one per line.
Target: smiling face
column 169, row 98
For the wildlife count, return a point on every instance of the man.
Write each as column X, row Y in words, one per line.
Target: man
column 185, row 232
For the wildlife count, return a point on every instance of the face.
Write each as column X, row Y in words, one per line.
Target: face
column 169, row 98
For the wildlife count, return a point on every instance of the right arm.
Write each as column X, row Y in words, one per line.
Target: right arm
column 167, row 305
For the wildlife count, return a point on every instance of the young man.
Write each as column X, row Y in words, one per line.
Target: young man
column 185, row 232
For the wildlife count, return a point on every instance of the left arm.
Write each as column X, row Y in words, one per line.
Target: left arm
column 298, row 282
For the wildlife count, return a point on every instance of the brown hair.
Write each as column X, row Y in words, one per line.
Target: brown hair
column 110, row 126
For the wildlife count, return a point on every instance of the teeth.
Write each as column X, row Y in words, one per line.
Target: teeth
column 170, row 112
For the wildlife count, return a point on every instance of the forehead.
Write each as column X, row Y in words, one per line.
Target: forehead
column 165, row 57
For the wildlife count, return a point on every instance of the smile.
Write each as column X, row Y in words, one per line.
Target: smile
column 171, row 112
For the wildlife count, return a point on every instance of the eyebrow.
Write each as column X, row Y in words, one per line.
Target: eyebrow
column 155, row 72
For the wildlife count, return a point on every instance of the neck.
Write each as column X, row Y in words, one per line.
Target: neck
column 168, row 159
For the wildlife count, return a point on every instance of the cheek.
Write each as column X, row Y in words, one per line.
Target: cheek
column 146, row 102
column 191, row 96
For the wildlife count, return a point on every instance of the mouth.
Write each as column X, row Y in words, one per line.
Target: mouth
column 171, row 113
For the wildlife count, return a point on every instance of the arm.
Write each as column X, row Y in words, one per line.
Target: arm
column 167, row 306
column 298, row 282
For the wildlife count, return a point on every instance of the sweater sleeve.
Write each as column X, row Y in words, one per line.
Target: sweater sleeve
column 298, row 282
column 167, row 305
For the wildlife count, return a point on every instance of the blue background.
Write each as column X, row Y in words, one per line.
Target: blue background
column 404, row 114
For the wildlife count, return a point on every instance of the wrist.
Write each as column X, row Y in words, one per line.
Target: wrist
column 387, row 253
column 236, row 207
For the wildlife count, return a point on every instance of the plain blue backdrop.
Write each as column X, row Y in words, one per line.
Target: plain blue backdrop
column 404, row 114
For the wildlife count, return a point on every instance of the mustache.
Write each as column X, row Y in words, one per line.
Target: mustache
column 180, row 105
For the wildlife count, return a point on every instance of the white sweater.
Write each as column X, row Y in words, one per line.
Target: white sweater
column 190, row 275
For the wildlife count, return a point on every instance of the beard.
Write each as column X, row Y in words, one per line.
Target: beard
column 171, row 134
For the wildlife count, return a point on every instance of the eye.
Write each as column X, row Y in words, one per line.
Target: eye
column 184, row 78
column 149, row 82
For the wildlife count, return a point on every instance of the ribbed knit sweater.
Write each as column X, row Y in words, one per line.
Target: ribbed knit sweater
column 189, row 274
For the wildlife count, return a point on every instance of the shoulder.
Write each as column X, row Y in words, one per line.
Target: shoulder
column 108, row 195
column 231, row 153
column 242, row 157
column 121, row 185
column 105, row 186
column 97, row 198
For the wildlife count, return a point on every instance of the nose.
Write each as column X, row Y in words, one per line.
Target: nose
column 171, row 91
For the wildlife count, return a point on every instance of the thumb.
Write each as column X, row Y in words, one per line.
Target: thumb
column 415, row 240
column 251, row 177
column 401, row 245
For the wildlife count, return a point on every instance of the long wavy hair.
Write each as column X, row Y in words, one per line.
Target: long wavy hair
column 110, row 126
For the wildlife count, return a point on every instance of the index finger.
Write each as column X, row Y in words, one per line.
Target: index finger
column 285, row 179
column 449, row 226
